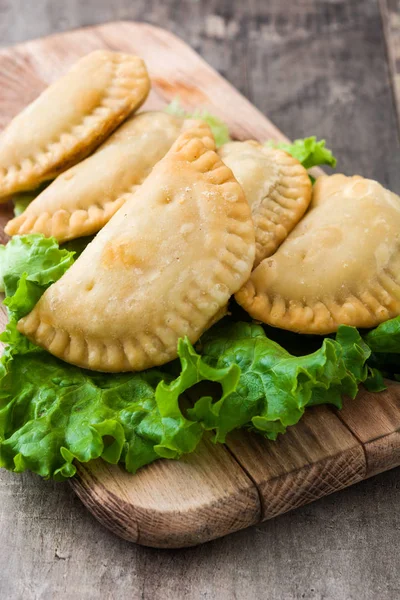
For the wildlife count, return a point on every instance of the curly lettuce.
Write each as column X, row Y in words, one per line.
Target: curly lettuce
column 273, row 387
column 384, row 342
column 28, row 265
column 40, row 258
column 53, row 414
column 309, row 151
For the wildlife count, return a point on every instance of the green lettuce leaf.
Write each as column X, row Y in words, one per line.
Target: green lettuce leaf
column 375, row 381
column 219, row 128
column 385, row 337
column 272, row 388
column 309, row 151
column 28, row 265
column 53, row 414
column 384, row 342
column 37, row 256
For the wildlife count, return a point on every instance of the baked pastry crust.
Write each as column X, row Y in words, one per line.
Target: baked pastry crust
column 70, row 119
column 84, row 198
column 340, row 265
column 276, row 186
column 162, row 268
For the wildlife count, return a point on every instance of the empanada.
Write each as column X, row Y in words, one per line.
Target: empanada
column 84, row 198
column 340, row 265
column 71, row 118
column 277, row 188
column 162, row 268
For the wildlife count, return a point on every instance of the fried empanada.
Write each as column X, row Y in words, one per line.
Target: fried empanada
column 276, row 186
column 84, row 198
column 162, row 268
column 340, row 265
column 71, row 118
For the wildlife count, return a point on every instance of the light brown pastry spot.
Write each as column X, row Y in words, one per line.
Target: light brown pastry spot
column 123, row 253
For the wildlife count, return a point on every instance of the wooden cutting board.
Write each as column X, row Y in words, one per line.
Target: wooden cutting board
column 224, row 488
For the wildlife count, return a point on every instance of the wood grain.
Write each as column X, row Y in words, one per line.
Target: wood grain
column 317, row 457
column 172, row 503
column 314, row 67
column 391, row 21
column 375, row 420
column 40, row 62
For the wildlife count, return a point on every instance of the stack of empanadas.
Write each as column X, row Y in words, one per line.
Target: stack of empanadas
column 70, row 119
column 85, row 197
column 183, row 227
column 162, row 268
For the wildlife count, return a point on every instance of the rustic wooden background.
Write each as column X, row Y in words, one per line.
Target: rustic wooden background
column 329, row 67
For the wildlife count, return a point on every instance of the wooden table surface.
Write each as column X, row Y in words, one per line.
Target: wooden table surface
column 324, row 67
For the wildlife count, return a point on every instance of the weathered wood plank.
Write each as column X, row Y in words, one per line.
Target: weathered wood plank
column 316, row 54
column 172, row 503
column 375, row 420
column 391, row 21
column 316, row 457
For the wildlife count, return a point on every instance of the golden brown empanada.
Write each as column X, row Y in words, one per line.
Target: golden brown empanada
column 340, row 265
column 71, row 118
column 84, row 198
column 162, row 268
column 277, row 188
